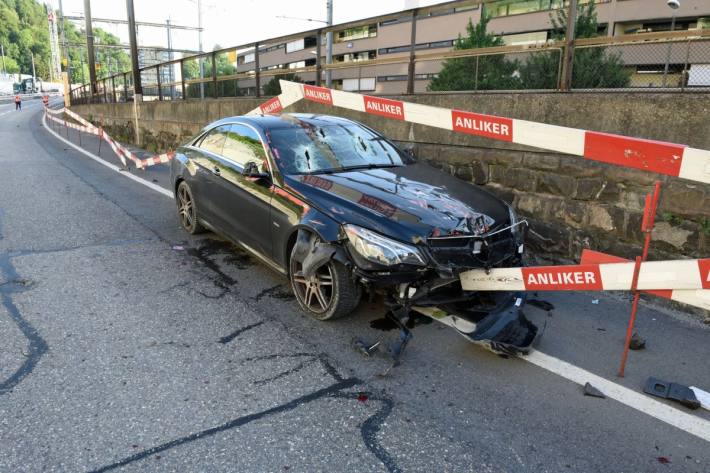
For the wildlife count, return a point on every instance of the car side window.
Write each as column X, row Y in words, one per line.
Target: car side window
column 213, row 141
column 243, row 145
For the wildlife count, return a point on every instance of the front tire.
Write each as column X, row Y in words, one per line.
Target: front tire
column 329, row 294
column 187, row 211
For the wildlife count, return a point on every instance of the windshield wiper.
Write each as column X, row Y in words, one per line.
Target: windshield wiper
column 366, row 166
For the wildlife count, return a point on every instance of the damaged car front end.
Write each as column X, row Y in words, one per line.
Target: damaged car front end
column 344, row 212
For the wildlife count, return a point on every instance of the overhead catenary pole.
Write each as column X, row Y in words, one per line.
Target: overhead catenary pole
column 567, row 64
column 670, row 44
column 199, row 39
column 137, row 88
column 329, row 45
column 65, row 49
column 90, row 46
column 170, row 58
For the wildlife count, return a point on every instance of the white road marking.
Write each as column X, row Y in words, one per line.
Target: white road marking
column 691, row 424
column 113, row 167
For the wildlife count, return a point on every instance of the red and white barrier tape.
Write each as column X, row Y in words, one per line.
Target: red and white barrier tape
column 121, row 151
column 648, row 155
column 654, row 275
column 695, row 297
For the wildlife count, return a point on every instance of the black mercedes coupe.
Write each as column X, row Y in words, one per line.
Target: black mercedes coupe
column 342, row 210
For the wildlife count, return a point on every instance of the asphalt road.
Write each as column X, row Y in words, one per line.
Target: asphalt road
column 126, row 344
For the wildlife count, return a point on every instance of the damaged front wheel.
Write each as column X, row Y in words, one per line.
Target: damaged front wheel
column 325, row 292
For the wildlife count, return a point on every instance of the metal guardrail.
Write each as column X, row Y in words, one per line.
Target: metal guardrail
column 643, row 51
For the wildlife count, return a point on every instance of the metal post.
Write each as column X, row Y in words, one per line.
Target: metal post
column 137, row 88
column 34, row 74
column 684, row 74
column 566, row 82
column 105, row 93
column 214, row 75
column 113, row 88
column 90, row 46
column 412, row 46
column 199, row 38
column 329, row 45
column 125, row 87
column 475, row 78
column 2, row 52
column 160, row 89
column 64, row 41
column 649, row 216
column 182, row 78
column 257, row 73
column 170, row 58
column 319, row 63
column 668, row 52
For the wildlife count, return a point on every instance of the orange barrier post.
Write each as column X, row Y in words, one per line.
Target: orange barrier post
column 649, row 217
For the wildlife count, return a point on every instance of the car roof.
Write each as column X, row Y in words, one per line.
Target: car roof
column 285, row 120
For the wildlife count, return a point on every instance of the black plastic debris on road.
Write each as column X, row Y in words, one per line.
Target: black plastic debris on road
column 637, row 342
column 590, row 390
column 674, row 391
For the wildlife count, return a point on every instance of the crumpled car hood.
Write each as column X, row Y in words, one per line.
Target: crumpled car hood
column 408, row 203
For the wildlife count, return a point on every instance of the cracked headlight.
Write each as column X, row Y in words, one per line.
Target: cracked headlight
column 381, row 250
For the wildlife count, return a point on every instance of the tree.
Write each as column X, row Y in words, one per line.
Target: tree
column 273, row 87
column 480, row 72
column 593, row 67
column 11, row 66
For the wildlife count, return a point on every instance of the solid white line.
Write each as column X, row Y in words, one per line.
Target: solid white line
column 113, row 167
column 692, row 424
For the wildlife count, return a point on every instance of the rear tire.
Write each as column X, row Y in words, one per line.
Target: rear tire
column 329, row 294
column 187, row 210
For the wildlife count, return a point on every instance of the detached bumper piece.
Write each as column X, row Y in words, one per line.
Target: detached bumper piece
column 505, row 331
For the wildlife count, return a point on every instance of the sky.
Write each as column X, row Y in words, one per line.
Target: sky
column 228, row 22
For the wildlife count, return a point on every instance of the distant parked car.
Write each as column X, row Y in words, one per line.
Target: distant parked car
column 339, row 209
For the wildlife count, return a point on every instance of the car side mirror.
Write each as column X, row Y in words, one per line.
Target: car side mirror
column 251, row 169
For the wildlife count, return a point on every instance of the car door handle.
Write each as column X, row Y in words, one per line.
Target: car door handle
column 215, row 171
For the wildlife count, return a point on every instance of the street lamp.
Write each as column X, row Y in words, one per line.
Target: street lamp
column 674, row 5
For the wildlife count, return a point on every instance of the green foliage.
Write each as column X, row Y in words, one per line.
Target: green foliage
column 23, row 30
column 273, row 87
column 705, row 225
column 593, row 67
column 672, row 219
column 477, row 73
column 11, row 66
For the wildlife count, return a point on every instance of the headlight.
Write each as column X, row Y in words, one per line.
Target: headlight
column 378, row 249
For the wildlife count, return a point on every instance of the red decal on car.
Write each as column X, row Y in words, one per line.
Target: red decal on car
column 272, row 106
column 490, row 126
column 378, row 205
column 563, row 278
column 319, row 182
column 648, row 155
column 318, row 94
column 384, row 107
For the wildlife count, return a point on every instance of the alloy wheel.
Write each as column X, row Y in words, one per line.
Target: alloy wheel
column 316, row 292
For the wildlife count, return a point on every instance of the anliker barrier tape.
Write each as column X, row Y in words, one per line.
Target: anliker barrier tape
column 654, row 275
column 695, row 297
column 648, row 155
column 121, row 151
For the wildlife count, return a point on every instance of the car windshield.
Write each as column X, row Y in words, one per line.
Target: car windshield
column 309, row 149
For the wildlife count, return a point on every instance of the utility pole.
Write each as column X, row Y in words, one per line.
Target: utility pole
column 137, row 88
column 567, row 64
column 170, row 58
column 329, row 45
column 674, row 6
column 2, row 52
column 64, row 39
column 34, row 75
column 90, row 46
column 201, row 61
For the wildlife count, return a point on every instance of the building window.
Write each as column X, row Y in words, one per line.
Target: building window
column 530, row 6
column 359, row 32
column 404, row 49
column 296, row 45
column 403, row 77
column 363, row 83
column 355, row 57
column 536, row 37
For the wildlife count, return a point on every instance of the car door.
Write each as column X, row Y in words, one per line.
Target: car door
column 205, row 154
column 243, row 204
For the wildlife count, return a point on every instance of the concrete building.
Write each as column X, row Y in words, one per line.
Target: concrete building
column 524, row 22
